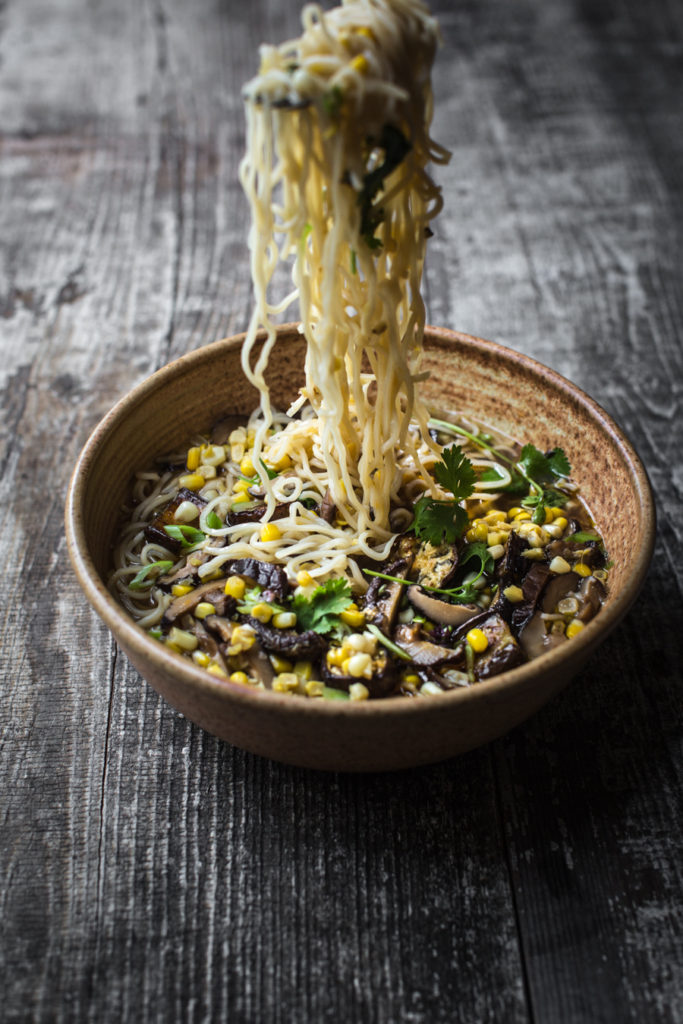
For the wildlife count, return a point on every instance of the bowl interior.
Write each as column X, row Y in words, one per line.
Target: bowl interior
column 512, row 393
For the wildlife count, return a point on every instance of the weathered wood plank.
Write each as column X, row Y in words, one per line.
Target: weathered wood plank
column 150, row 872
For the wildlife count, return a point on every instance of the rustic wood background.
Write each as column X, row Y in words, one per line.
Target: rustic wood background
column 149, row 872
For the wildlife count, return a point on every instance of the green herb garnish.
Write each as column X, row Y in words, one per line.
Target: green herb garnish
column 438, row 520
column 395, row 146
column 146, row 576
column 188, row 536
column 320, row 612
column 214, row 521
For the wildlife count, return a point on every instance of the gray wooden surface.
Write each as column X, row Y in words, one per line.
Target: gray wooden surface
column 151, row 873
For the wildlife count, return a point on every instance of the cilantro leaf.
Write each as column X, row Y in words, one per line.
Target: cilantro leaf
column 541, row 468
column 214, row 521
column 142, row 579
column 439, row 521
column 478, row 550
column 455, row 473
column 320, row 612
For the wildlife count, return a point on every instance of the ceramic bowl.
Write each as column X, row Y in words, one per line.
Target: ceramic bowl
column 509, row 391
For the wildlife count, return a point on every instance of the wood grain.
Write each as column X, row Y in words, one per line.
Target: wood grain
column 149, row 872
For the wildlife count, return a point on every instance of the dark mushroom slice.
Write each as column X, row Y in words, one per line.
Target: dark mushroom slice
column 591, row 594
column 423, row 652
column 254, row 514
column 212, row 592
column 533, row 585
column 327, row 509
column 266, row 574
column 155, row 532
column 558, row 588
column 503, row 652
column 189, row 571
column 383, row 598
column 306, row 646
column 259, row 665
column 510, row 571
column 435, row 566
column 442, row 612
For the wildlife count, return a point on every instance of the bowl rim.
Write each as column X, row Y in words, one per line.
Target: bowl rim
column 134, row 639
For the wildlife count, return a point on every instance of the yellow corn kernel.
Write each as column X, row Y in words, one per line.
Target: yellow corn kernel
column 262, row 612
column 247, row 466
column 360, row 665
column 360, row 64
column 574, row 627
column 182, row 639
column 285, row 682
column 582, row 570
column 303, row 669
column 304, row 579
column 357, row 691
column 241, row 499
column 411, row 678
column 235, row 587
column 549, row 515
column 239, row 677
column 477, row 640
column 314, row 688
column 496, row 551
column 270, row 531
column 192, row 481
column 495, row 516
column 496, row 537
column 180, row 589
column 193, row 458
column 284, row 620
column 345, row 666
column 514, row 511
column 513, row 594
column 203, row 609
column 280, row 664
column 213, row 455
column 241, row 486
column 201, row 658
column 335, row 656
column 364, row 30
column 561, row 522
column 556, row 512
column 522, row 517
column 559, row 565
column 353, row 616
column 216, row 670
column 477, row 531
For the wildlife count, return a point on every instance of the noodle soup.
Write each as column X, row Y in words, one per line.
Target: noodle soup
column 464, row 589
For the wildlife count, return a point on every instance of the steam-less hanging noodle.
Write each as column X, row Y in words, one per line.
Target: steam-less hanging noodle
column 335, row 172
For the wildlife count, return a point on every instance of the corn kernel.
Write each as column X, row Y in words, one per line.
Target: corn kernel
column 314, row 688
column 496, row 551
column 285, row 682
column 182, row 639
column 574, row 627
column 216, row 670
column 559, row 565
column 194, row 455
column 239, row 677
column 496, row 537
column 304, row 579
column 353, row 616
column 284, row 620
column 214, row 455
column 556, row 511
column 360, row 665
column 514, row 511
column 180, row 589
column 430, row 689
column 201, row 658
column 364, row 30
column 477, row 640
column 582, row 570
column 280, row 664
column 477, row 531
column 192, row 481
column 522, row 517
column 303, row 669
column 240, row 499
column 335, row 656
column 241, row 486
column 357, row 691
column 247, row 466
column 270, row 531
column 361, row 642
column 495, row 516
column 513, row 594
column 410, row 677
column 235, row 587
column 360, row 64
column 262, row 612
column 203, row 609
column 561, row 522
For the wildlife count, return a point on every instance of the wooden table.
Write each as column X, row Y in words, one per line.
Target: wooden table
column 149, row 872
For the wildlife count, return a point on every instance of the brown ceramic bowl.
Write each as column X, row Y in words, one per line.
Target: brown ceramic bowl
column 510, row 392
